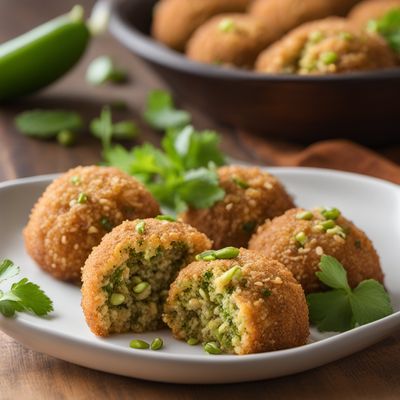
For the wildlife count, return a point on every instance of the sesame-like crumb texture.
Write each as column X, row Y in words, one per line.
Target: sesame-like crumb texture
column 239, row 46
column 276, row 239
column 251, row 197
column 146, row 251
column 76, row 211
column 174, row 21
column 327, row 46
column 261, row 308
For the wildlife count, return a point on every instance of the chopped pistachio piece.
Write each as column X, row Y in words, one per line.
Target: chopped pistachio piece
column 227, row 253
column 212, row 348
column 226, row 25
column 331, row 213
column 82, row 198
column 301, row 238
column 329, row 57
column 157, row 344
column 139, row 344
column 306, row 215
column 117, row 299
column 192, row 342
column 140, row 227
column 337, row 230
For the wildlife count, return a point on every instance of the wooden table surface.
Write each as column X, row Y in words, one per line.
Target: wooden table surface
column 370, row 374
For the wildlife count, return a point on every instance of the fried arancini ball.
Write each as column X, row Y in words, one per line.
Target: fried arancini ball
column 328, row 46
column 76, row 211
column 251, row 196
column 285, row 15
column 174, row 21
column 231, row 40
column 300, row 237
column 368, row 10
column 249, row 304
column 126, row 278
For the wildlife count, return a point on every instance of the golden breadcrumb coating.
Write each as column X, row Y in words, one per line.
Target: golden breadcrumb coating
column 277, row 239
column 263, row 310
column 76, row 211
column 328, row 46
column 251, row 197
column 285, row 15
column 231, row 40
column 174, row 21
column 128, row 256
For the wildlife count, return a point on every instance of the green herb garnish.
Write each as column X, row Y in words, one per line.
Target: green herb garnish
column 182, row 174
column 343, row 308
column 104, row 129
column 161, row 112
column 388, row 27
column 23, row 295
column 46, row 124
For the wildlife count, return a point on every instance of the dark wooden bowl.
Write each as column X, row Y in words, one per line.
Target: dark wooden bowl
column 359, row 106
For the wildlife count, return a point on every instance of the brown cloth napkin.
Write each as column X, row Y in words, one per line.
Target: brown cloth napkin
column 338, row 154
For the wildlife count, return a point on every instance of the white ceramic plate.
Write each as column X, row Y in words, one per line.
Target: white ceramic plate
column 372, row 204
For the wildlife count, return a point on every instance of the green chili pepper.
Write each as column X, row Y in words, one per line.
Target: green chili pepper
column 39, row 57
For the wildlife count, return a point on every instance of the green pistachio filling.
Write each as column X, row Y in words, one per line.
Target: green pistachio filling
column 136, row 290
column 206, row 310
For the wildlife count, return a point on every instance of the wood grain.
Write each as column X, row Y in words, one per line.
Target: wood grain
column 25, row 374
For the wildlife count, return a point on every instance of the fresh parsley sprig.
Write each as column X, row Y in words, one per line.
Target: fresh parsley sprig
column 161, row 112
column 343, row 308
column 104, row 129
column 23, row 295
column 180, row 175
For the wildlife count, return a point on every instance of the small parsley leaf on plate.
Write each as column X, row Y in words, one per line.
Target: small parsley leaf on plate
column 332, row 274
column 23, row 295
column 370, row 302
column 330, row 311
column 342, row 308
column 46, row 124
column 161, row 112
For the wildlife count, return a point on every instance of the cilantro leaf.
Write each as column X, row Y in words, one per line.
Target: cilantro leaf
column 8, row 270
column 370, row 302
column 332, row 273
column 200, row 188
column 330, row 311
column 24, row 295
column 388, row 27
column 182, row 173
column 104, row 129
column 161, row 112
column 118, row 157
column 342, row 309
column 179, row 176
column 32, row 298
column 46, row 124
column 191, row 149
